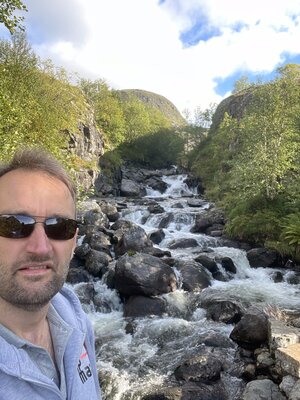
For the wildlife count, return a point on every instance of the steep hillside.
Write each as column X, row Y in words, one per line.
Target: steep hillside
column 164, row 105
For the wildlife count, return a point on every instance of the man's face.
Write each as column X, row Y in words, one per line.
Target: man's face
column 33, row 269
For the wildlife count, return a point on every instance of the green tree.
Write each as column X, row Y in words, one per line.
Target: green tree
column 136, row 117
column 36, row 107
column 241, row 84
column 155, row 150
column 108, row 110
column 7, row 14
column 269, row 139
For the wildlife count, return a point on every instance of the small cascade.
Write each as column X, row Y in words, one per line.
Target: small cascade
column 135, row 360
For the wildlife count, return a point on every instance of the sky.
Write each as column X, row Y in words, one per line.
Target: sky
column 189, row 51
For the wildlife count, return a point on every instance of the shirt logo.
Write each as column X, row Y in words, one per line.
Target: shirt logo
column 84, row 366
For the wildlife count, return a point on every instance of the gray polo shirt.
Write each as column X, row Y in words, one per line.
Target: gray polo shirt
column 60, row 332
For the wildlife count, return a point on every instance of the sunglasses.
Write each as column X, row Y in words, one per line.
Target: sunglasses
column 16, row 226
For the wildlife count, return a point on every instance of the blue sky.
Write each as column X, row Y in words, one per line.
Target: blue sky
column 190, row 51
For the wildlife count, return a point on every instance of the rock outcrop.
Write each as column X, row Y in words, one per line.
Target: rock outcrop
column 87, row 144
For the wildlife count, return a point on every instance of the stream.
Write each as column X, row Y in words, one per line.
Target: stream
column 133, row 363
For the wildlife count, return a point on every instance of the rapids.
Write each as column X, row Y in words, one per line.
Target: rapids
column 133, row 363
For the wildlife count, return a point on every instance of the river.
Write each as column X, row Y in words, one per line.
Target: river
column 134, row 363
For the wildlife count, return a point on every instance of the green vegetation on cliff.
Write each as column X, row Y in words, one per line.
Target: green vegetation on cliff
column 250, row 162
column 39, row 106
column 37, row 103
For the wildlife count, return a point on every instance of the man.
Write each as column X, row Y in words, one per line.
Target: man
column 46, row 341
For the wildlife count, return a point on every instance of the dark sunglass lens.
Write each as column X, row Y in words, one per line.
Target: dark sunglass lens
column 16, row 226
column 60, row 228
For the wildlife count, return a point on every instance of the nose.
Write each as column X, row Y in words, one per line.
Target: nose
column 38, row 242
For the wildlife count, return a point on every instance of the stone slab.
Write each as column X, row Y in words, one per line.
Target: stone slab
column 289, row 359
column 282, row 335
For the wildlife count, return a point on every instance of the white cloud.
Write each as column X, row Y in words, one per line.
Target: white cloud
column 136, row 44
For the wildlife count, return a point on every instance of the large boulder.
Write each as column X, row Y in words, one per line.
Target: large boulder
column 94, row 220
column 96, row 263
column 251, row 331
column 194, row 277
column 208, row 219
column 225, row 311
column 156, row 183
column 142, row 306
column 130, row 188
column 98, row 241
column 143, row 274
column 129, row 237
column 203, row 368
column 263, row 389
column 261, row 257
column 109, row 209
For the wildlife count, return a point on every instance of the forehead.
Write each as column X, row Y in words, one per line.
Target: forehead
column 34, row 192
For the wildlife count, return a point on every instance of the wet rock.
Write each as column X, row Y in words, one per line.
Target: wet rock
column 155, row 251
column 287, row 385
column 215, row 339
column 194, row 182
column 156, row 183
column 263, row 389
column 155, row 209
column 261, row 257
column 228, row 265
column 191, row 391
column 177, row 205
column 85, row 292
column 203, row 368
column 143, row 274
column 215, row 230
column 194, row 276
column 208, row 219
column 208, row 262
column 166, row 220
column 277, row 276
column 196, row 202
column 110, row 210
column 295, row 392
column 293, row 278
column 251, row 331
column 98, row 241
column 168, row 393
column 157, row 236
column 96, row 263
column 183, row 243
column 130, row 188
column 129, row 237
column 249, row 373
column 225, row 311
column 77, row 275
column 264, row 361
column 94, row 219
column 142, row 306
column 82, row 251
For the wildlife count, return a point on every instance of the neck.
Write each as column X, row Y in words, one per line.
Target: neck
column 29, row 325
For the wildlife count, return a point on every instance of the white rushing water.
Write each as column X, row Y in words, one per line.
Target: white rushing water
column 134, row 362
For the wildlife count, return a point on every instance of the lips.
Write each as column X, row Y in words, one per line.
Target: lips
column 35, row 268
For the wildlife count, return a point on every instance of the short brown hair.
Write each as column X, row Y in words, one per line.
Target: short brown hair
column 37, row 159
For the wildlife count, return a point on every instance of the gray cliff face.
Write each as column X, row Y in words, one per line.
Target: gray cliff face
column 233, row 105
column 88, row 145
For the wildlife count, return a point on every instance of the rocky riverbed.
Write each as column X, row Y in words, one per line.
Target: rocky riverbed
column 179, row 310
